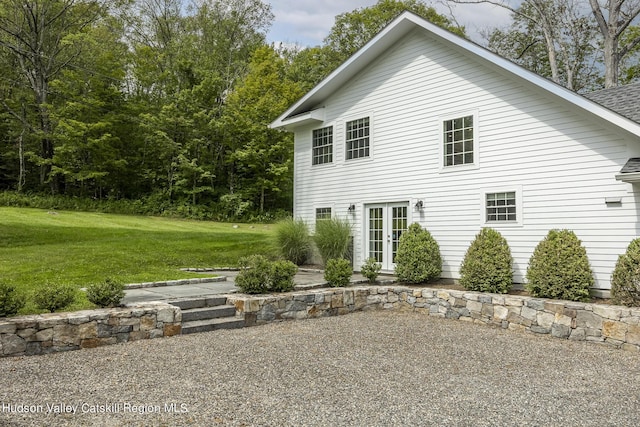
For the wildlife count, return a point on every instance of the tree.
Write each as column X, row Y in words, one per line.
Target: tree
column 352, row 30
column 614, row 18
column 39, row 36
column 262, row 157
column 554, row 40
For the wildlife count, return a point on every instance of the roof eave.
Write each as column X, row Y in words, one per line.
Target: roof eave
column 630, row 177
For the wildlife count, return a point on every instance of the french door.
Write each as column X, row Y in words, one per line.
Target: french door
column 385, row 224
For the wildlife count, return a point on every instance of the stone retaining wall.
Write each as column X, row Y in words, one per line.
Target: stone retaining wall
column 615, row 326
column 48, row 333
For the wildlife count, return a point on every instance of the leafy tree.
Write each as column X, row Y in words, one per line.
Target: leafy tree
column 262, row 157
column 552, row 39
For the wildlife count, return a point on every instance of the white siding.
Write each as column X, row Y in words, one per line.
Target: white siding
column 564, row 162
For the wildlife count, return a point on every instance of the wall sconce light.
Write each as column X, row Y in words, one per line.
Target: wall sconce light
column 419, row 205
column 352, row 208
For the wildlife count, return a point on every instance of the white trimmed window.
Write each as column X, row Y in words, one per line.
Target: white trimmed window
column 357, row 138
column 458, row 141
column 501, row 207
column 322, row 146
column 323, row 213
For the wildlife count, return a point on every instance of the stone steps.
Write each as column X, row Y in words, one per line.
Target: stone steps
column 207, row 314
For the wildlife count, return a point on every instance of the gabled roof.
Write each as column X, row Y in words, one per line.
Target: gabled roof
column 309, row 109
column 624, row 100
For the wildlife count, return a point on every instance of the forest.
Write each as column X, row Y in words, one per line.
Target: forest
column 166, row 103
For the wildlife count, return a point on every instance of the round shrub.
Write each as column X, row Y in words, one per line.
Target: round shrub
column 293, row 240
column 254, row 275
column 418, row 257
column 370, row 269
column 338, row 272
column 54, row 297
column 625, row 280
column 559, row 268
column 282, row 273
column 106, row 294
column 487, row 265
column 332, row 238
column 11, row 301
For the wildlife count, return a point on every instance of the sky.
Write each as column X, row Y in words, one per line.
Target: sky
column 308, row 22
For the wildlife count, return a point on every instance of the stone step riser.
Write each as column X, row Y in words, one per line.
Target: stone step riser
column 188, row 304
column 205, row 313
column 211, row 325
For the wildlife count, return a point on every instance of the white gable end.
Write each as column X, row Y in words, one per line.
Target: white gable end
column 558, row 161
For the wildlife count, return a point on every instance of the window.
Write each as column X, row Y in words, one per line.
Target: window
column 323, row 145
column 357, row 139
column 501, row 207
column 458, row 141
column 323, row 213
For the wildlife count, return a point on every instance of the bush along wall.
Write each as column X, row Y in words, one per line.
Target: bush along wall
column 487, row 265
column 625, row 280
column 418, row 257
column 559, row 268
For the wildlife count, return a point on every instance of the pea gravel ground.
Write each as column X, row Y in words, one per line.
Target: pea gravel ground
column 363, row 369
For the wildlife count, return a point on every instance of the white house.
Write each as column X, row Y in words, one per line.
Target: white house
column 424, row 126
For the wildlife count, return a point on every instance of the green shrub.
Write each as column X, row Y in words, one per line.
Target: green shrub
column 418, row 256
column 559, row 268
column 11, row 301
column 333, row 238
column 254, row 275
column 370, row 269
column 338, row 272
column 487, row 265
column 54, row 297
column 282, row 273
column 625, row 280
column 293, row 240
column 106, row 294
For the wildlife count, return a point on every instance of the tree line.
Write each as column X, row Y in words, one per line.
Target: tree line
column 169, row 100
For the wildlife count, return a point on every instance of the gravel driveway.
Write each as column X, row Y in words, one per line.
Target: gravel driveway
column 362, row 369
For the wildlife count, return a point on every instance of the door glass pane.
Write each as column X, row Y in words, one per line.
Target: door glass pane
column 376, row 234
column 399, row 225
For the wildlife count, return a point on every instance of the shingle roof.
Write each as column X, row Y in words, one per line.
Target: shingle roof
column 624, row 100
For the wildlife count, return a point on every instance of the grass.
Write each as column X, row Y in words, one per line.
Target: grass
column 39, row 247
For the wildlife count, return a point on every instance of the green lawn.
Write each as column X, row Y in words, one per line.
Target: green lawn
column 38, row 247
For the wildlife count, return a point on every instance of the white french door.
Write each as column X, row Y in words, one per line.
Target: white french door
column 385, row 224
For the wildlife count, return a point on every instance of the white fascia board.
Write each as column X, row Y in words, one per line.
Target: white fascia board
column 310, row 117
column 631, row 178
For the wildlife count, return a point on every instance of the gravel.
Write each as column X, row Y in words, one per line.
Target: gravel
column 362, row 369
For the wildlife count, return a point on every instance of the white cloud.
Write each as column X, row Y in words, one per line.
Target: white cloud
column 308, row 22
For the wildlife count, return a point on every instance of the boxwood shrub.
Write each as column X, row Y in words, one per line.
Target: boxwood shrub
column 559, row 268
column 11, row 301
column 487, row 265
column 106, row 294
column 53, row 297
column 258, row 275
column 625, row 280
column 338, row 272
column 418, row 257
column 370, row 269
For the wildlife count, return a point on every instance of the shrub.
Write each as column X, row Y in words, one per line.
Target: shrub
column 559, row 268
column 370, row 269
column 106, row 294
column 418, row 256
column 625, row 280
column 11, row 301
column 254, row 275
column 487, row 265
column 332, row 237
column 338, row 272
column 293, row 240
column 54, row 297
column 282, row 273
